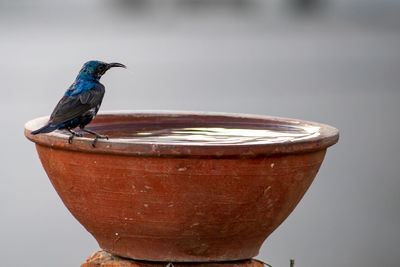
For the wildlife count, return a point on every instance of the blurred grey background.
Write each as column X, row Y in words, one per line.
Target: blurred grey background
column 330, row 61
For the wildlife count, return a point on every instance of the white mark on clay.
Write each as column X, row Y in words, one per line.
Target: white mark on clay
column 182, row 169
column 267, row 189
column 272, row 165
column 146, row 205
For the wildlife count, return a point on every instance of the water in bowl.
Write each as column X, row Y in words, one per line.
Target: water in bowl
column 210, row 133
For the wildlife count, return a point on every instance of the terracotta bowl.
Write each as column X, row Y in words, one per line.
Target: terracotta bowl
column 184, row 187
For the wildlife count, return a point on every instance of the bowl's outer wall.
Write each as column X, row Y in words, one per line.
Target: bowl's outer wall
column 180, row 209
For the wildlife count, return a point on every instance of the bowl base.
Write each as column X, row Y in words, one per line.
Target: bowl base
column 103, row 258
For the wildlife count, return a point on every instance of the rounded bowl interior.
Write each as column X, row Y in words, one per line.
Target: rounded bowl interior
column 192, row 134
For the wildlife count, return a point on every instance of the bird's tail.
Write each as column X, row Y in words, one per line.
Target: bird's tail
column 45, row 129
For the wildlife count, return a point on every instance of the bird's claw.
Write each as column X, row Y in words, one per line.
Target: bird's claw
column 98, row 137
column 72, row 136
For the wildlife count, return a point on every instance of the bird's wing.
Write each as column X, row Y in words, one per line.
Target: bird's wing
column 70, row 107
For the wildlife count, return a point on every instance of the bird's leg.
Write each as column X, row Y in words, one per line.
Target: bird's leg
column 95, row 134
column 73, row 134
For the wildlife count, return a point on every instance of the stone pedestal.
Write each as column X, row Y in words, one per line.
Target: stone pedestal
column 105, row 259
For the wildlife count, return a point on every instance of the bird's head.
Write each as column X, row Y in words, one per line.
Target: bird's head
column 95, row 69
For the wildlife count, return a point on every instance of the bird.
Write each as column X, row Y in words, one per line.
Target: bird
column 80, row 102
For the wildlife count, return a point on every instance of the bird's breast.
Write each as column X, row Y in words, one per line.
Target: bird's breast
column 93, row 111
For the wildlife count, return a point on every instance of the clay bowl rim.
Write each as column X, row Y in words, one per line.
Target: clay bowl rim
column 327, row 136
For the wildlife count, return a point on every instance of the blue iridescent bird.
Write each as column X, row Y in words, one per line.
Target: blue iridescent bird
column 81, row 101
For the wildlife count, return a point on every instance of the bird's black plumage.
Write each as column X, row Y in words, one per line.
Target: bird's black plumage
column 81, row 101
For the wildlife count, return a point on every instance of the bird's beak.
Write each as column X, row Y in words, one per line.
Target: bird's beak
column 111, row 65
